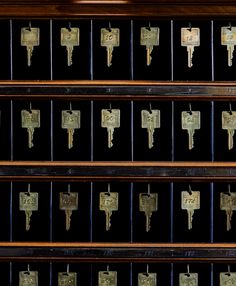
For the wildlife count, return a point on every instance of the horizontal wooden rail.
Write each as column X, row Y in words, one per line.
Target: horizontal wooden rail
column 112, row 171
column 118, row 252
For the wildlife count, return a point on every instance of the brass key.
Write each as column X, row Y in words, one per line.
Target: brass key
column 28, row 202
column 30, row 119
column 147, row 278
column 108, row 202
column 70, row 120
column 28, row 278
column 227, row 278
column 190, row 201
column 68, row 203
column 110, row 119
column 228, row 38
column 188, row 279
column 151, row 120
column 149, row 37
column 107, row 278
column 110, row 38
column 190, row 38
column 228, row 204
column 69, row 39
column 191, row 121
column 148, row 203
column 229, row 124
column 67, row 278
column 30, row 39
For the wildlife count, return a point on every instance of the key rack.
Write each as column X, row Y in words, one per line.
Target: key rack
column 168, row 85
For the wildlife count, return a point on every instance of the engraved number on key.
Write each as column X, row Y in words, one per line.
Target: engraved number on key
column 151, row 120
column 148, row 203
column 30, row 39
column 107, row 278
column 227, row 279
column 30, row 119
column 69, row 39
column 28, row 278
column 190, row 38
column 110, row 120
column 228, row 204
column 67, row 279
column 228, row 38
column 147, row 279
column 110, row 38
column 149, row 37
column 190, row 201
column 191, row 121
column 68, row 203
column 229, row 124
column 70, row 120
column 108, row 202
column 28, row 202
column 188, row 279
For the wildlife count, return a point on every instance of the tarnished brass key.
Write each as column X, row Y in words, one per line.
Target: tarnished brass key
column 107, row 278
column 70, row 120
column 227, row 278
column 30, row 39
column 69, row 39
column 228, row 38
column 110, row 120
column 149, row 37
column 148, row 203
column 147, row 278
column 188, row 279
column 30, row 119
column 68, row 203
column 229, row 124
column 110, row 38
column 28, row 278
column 108, row 202
column 151, row 120
column 67, row 278
column 190, row 201
column 190, row 38
column 228, row 204
column 28, row 202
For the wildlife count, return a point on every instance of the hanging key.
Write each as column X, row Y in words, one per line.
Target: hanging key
column 28, row 278
column 108, row 202
column 228, row 38
column 190, row 201
column 28, row 202
column 110, row 120
column 228, row 204
column 229, row 124
column 110, row 38
column 150, row 38
column 148, row 203
column 68, row 203
column 67, row 278
column 107, row 278
column 191, row 121
column 70, row 39
column 147, row 278
column 227, row 278
column 30, row 119
column 151, row 120
column 188, row 279
column 190, row 38
column 30, row 39
column 70, row 120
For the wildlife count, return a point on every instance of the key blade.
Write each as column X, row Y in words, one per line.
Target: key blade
column 68, row 214
column 28, row 215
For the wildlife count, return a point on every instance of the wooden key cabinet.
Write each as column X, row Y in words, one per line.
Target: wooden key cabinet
column 88, row 86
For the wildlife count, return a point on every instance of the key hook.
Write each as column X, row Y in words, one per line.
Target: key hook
column 230, row 109
column 190, row 190
column 68, row 188
column 68, row 269
column 110, row 108
column 70, row 111
column 108, row 268
column 30, row 107
column 109, row 189
column 188, row 273
column 69, row 26
column 30, row 26
column 109, row 26
column 28, row 190
column 190, row 109
column 190, row 27
column 229, row 190
column 149, row 190
column 28, row 268
column 230, row 26
column 149, row 26
column 150, row 107
column 147, row 269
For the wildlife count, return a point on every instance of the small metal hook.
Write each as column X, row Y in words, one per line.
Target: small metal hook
column 69, row 26
column 230, row 26
column 147, row 269
column 230, row 109
column 28, row 268
column 68, row 188
column 190, row 190
column 30, row 107
column 228, row 268
column 190, row 108
column 70, row 107
column 109, row 26
column 149, row 26
column 150, row 107
column 108, row 268
column 149, row 190
column 110, row 107
column 67, row 268
column 190, row 27
column 30, row 26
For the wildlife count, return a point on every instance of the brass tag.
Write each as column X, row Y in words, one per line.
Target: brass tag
column 228, row 201
column 108, row 201
column 229, row 120
column 70, row 37
column 70, row 119
column 227, row 279
column 28, row 278
column 110, row 118
column 190, row 37
column 110, row 37
column 30, row 119
column 148, row 202
column 28, row 201
column 69, row 201
column 188, row 279
column 107, row 278
column 149, row 36
column 151, row 119
column 191, row 120
column 190, row 201
column 228, row 36
column 30, row 37
column 67, row 279
column 147, row 279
